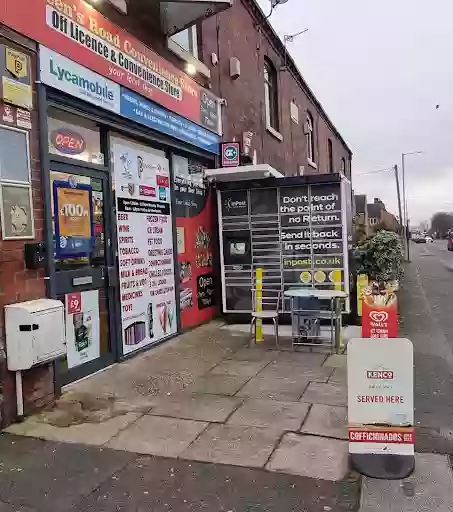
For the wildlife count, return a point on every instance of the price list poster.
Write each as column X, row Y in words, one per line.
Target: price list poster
column 145, row 245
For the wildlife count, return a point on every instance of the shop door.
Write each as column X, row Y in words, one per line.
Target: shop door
column 84, row 268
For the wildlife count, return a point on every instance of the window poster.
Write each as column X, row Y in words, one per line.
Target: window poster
column 74, row 228
column 145, row 245
column 82, row 327
column 195, row 228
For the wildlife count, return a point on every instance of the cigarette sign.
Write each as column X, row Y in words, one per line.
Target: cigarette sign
column 230, row 154
column 380, row 399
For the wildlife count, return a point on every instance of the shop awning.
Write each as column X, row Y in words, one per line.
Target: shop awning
column 176, row 15
column 244, row 172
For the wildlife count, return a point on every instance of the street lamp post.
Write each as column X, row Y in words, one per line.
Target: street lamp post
column 405, row 219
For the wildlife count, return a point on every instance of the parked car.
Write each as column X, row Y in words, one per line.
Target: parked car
column 429, row 239
column 418, row 238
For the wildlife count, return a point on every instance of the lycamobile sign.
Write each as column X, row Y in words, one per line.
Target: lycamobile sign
column 67, row 76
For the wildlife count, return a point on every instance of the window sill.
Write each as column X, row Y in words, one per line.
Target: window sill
column 312, row 164
column 274, row 133
column 189, row 58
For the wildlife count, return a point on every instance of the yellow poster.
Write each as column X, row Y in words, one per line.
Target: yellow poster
column 17, row 93
column 16, row 63
column 362, row 283
column 74, row 212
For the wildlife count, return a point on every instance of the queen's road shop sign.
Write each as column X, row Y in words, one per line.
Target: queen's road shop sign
column 381, row 407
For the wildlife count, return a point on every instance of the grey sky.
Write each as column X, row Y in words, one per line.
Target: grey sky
column 380, row 69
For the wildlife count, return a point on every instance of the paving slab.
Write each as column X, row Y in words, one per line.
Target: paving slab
column 282, row 369
column 429, row 489
column 312, row 456
column 327, row 394
column 86, row 433
column 302, row 358
column 232, row 444
column 239, row 368
column 154, row 435
column 266, row 387
column 339, row 376
column 197, row 407
column 276, row 416
column 218, row 384
column 336, row 361
column 327, row 421
column 253, row 354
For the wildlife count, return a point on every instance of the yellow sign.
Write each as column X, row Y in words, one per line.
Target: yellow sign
column 74, row 212
column 16, row 63
column 362, row 283
column 305, row 277
column 336, row 278
column 17, row 93
column 320, row 276
column 259, row 305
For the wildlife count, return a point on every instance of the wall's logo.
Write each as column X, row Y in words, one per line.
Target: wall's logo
column 146, row 190
column 68, row 142
column 379, row 316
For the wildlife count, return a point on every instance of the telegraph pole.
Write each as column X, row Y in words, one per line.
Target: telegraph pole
column 404, row 240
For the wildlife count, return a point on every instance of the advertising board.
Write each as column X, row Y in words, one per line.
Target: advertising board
column 71, row 78
column 145, row 245
column 76, row 29
column 380, row 403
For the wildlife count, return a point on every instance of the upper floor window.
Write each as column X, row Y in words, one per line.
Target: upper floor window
column 343, row 165
column 330, row 154
column 271, row 95
column 187, row 40
column 310, row 138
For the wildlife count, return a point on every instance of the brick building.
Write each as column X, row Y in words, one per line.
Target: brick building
column 379, row 218
column 115, row 94
column 291, row 130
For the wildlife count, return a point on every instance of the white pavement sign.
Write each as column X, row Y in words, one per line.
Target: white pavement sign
column 145, row 244
column 381, row 396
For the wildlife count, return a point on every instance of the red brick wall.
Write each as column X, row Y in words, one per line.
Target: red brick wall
column 16, row 282
column 236, row 33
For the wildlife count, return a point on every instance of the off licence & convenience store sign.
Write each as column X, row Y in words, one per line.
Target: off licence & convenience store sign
column 74, row 28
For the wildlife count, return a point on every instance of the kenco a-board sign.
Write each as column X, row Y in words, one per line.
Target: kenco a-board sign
column 71, row 78
column 231, row 154
column 77, row 31
column 381, row 406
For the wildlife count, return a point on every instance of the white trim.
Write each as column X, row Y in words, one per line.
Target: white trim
column 311, row 163
column 243, row 172
column 274, row 132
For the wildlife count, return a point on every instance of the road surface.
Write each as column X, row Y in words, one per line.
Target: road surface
column 427, row 319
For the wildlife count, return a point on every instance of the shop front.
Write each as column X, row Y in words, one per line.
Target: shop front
column 129, row 223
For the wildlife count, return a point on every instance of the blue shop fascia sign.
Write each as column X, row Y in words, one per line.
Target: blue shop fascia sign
column 71, row 78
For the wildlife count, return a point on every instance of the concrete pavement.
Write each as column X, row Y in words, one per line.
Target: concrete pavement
column 208, row 397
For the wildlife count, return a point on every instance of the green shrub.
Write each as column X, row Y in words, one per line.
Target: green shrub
column 380, row 257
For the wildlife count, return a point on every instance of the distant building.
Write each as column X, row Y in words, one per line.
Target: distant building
column 379, row 218
column 360, row 217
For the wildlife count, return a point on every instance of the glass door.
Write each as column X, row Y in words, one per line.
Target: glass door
column 84, row 268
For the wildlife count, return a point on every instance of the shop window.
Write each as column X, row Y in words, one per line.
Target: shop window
column 72, row 136
column 14, row 155
column 271, row 95
column 187, row 40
